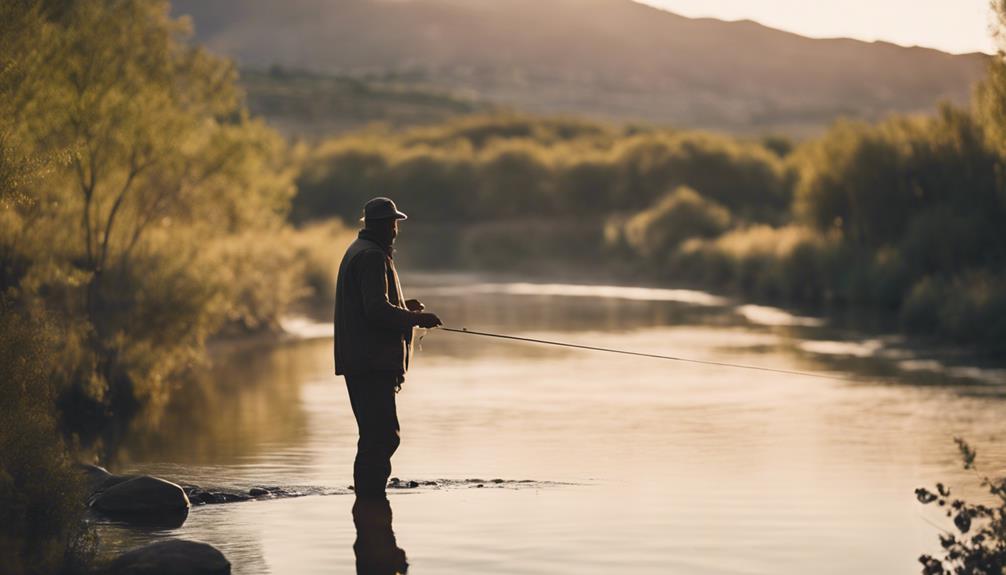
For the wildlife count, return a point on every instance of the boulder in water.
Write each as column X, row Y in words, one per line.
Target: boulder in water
column 174, row 556
column 94, row 475
column 140, row 495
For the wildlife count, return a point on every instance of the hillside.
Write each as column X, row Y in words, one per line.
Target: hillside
column 315, row 105
column 602, row 58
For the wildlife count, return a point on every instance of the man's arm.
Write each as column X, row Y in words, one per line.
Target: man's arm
column 373, row 275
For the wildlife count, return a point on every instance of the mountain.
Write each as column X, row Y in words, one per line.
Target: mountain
column 315, row 105
column 603, row 58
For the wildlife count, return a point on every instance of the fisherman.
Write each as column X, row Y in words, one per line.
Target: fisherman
column 373, row 341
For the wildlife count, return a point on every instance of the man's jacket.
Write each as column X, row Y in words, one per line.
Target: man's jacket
column 373, row 329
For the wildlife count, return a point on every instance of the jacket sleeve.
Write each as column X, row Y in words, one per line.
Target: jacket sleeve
column 373, row 274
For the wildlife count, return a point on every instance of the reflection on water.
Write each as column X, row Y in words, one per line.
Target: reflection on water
column 377, row 552
column 248, row 401
column 638, row 465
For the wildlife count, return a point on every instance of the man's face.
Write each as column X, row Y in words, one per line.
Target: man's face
column 387, row 229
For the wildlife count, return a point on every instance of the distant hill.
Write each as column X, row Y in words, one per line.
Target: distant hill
column 603, row 58
column 315, row 105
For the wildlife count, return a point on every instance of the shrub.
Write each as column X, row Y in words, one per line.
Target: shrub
column 792, row 263
column 319, row 250
column 514, row 180
column 977, row 546
column 42, row 527
column 678, row 216
column 745, row 178
column 872, row 182
column 503, row 167
column 970, row 307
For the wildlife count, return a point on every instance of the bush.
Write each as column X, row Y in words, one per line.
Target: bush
column 502, row 167
column 977, row 546
column 794, row 263
column 746, row 178
column 514, row 180
column 318, row 248
column 970, row 307
column 873, row 182
column 680, row 215
column 42, row 527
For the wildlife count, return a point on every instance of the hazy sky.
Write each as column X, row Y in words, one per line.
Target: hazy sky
column 950, row 25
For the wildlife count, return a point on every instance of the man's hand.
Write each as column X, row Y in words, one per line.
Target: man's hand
column 429, row 320
column 414, row 305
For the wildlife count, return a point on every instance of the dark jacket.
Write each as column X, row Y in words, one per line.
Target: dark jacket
column 373, row 329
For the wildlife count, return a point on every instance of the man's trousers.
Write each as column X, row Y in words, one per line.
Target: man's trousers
column 373, row 399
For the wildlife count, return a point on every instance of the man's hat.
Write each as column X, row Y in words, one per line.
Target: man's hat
column 382, row 209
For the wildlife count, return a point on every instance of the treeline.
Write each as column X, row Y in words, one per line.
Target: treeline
column 498, row 167
column 141, row 211
column 905, row 216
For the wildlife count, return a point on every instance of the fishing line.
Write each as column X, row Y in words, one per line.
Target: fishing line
column 467, row 331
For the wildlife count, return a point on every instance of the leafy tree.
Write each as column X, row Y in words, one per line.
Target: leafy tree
column 990, row 97
column 147, row 160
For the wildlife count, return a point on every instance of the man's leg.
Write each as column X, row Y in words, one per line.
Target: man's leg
column 373, row 401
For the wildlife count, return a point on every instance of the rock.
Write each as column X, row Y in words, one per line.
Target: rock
column 198, row 496
column 94, row 475
column 140, row 495
column 258, row 492
column 224, row 497
column 172, row 557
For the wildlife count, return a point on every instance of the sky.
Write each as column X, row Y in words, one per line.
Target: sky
column 950, row 25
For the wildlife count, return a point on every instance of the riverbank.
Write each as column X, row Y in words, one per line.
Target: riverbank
column 904, row 215
column 792, row 277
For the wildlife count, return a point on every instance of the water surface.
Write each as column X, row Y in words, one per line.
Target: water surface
column 635, row 465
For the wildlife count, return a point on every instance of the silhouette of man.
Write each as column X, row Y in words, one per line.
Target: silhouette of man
column 377, row 552
column 373, row 341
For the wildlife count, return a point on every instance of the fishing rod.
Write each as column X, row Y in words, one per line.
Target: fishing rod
column 467, row 331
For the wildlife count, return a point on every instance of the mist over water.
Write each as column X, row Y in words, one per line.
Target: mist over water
column 610, row 463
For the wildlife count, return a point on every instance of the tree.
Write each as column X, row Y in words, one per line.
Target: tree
column 990, row 96
column 150, row 160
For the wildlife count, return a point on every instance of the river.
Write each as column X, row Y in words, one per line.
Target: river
column 604, row 463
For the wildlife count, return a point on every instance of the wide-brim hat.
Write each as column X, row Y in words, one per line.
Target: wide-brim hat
column 382, row 209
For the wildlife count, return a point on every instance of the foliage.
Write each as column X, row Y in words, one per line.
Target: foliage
column 139, row 198
column 978, row 547
column 41, row 495
column 872, row 182
column 504, row 167
column 792, row 263
column 905, row 215
column 682, row 214
column 874, row 215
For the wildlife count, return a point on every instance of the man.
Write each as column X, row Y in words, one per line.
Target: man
column 373, row 341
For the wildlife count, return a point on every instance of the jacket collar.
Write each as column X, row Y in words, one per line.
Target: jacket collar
column 370, row 236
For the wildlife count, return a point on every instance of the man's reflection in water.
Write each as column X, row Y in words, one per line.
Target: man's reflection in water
column 377, row 553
